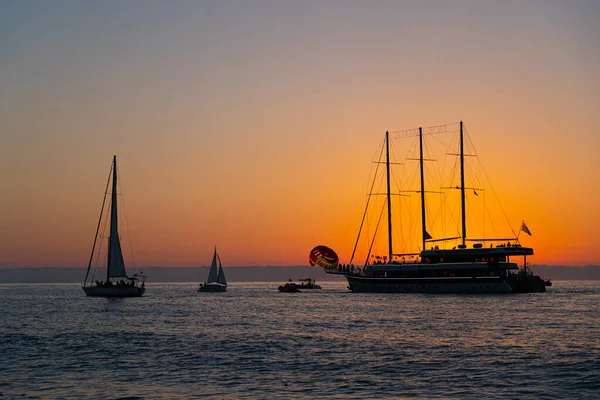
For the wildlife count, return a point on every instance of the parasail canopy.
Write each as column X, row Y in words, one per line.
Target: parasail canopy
column 324, row 257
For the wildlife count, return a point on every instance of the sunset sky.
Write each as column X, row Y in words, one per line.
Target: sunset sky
column 251, row 125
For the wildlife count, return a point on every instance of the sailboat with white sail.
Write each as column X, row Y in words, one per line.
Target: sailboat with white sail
column 216, row 276
column 117, row 283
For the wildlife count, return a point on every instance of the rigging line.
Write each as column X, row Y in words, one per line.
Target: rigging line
column 486, row 211
column 435, row 218
column 445, row 128
column 124, row 214
column 493, row 190
column 366, row 207
column 429, row 130
column 434, row 175
column 410, row 175
column 454, row 210
column 444, row 214
column 498, row 201
column 478, row 177
column 452, row 213
column 375, row 233
column 453, row 172
column 411, row 150
column 363, row 190
column 442, row 143
column 446, row 172
column 474, row 177
column 102, row 241
column 406, row 133
column 407, row 238
column 98, row 226
column 401, row 179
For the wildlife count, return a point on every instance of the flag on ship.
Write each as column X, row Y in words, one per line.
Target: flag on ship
column 525, row 229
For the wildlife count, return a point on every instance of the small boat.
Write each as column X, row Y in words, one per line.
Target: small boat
column 117, row 283
column 308, row 283
column 216, row 277
column 289, row 287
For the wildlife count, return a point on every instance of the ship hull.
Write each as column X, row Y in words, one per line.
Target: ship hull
column 114, row 291
column 363, row 284
column 212, row 288
column 528, row 284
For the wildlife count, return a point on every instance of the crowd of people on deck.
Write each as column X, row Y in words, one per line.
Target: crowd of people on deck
column 121, row 283
column 349, row 269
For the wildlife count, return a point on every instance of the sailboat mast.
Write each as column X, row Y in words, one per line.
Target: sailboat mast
column 462, row 186
column 113, row 217
column 97, row 229
column 423, row 224
column 389, row 203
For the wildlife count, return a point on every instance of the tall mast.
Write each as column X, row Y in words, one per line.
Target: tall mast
column 97, row 230
column 462, row 186
column 423, row 224
column 389, row 203
column 113, row 217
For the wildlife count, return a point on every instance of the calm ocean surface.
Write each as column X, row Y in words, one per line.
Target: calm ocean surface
column 254, row 342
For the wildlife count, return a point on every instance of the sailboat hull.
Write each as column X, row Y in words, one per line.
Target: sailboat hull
column 114, row 291
column 212, row 288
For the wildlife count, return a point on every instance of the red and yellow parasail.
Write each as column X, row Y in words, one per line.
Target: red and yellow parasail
column 324, row 257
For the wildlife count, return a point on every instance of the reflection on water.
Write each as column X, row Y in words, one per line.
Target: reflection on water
column 255, row 342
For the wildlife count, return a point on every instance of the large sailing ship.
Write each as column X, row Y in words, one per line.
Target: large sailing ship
column 461, row 269
column 117, row 283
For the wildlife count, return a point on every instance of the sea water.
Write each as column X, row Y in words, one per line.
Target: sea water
column 255, row 342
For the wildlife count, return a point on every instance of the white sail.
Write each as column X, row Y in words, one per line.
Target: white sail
column 213, row 273
column 115, row 264
column 221, row 279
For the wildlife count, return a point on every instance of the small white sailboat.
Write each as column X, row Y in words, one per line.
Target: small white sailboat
column 117, row 283
column 216, row 277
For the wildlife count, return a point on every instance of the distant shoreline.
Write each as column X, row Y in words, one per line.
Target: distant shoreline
column 246, row 274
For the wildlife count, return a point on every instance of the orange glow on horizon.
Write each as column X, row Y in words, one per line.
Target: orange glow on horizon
column 262, row 142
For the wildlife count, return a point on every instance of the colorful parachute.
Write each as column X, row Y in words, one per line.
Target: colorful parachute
column 324, row 257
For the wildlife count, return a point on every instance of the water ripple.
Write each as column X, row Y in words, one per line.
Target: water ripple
column 254, row 342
